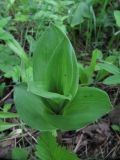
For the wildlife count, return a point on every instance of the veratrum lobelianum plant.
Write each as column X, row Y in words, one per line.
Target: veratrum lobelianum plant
column 54, row 99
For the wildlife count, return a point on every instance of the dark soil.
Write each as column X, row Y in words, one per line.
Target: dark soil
column 97, row 141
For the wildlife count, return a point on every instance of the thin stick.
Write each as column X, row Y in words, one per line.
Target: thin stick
column 78, row 144
column 116, row 96
column 4, row 98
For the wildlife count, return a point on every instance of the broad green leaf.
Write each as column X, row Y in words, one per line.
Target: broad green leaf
column 19, row 154
column 81, row 11
column 112, row 80
column 4, row 126
column 88, row 105
column 109, row 67
column 55, row 64
column 35, row 112
column 31, row 108
column 117, row 17
column 8, row 115
column 48, row 149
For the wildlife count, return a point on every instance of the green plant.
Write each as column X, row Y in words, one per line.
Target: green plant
column 60, row 101
column 79, row 12
column 82, row 17
column 54, row 100
column 113, row 80
column 86, row 73
column 103, row 73
column 93, row 20
column 109, row 68
column 21, row 63
column 48, row 149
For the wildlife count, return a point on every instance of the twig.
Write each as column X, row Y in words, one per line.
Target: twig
column 78, row 144
column 35, row 140
column 116, row 96
column 4, row 98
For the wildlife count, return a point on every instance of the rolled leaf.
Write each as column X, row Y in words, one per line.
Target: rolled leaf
column 40, row 90
column 55, row 64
